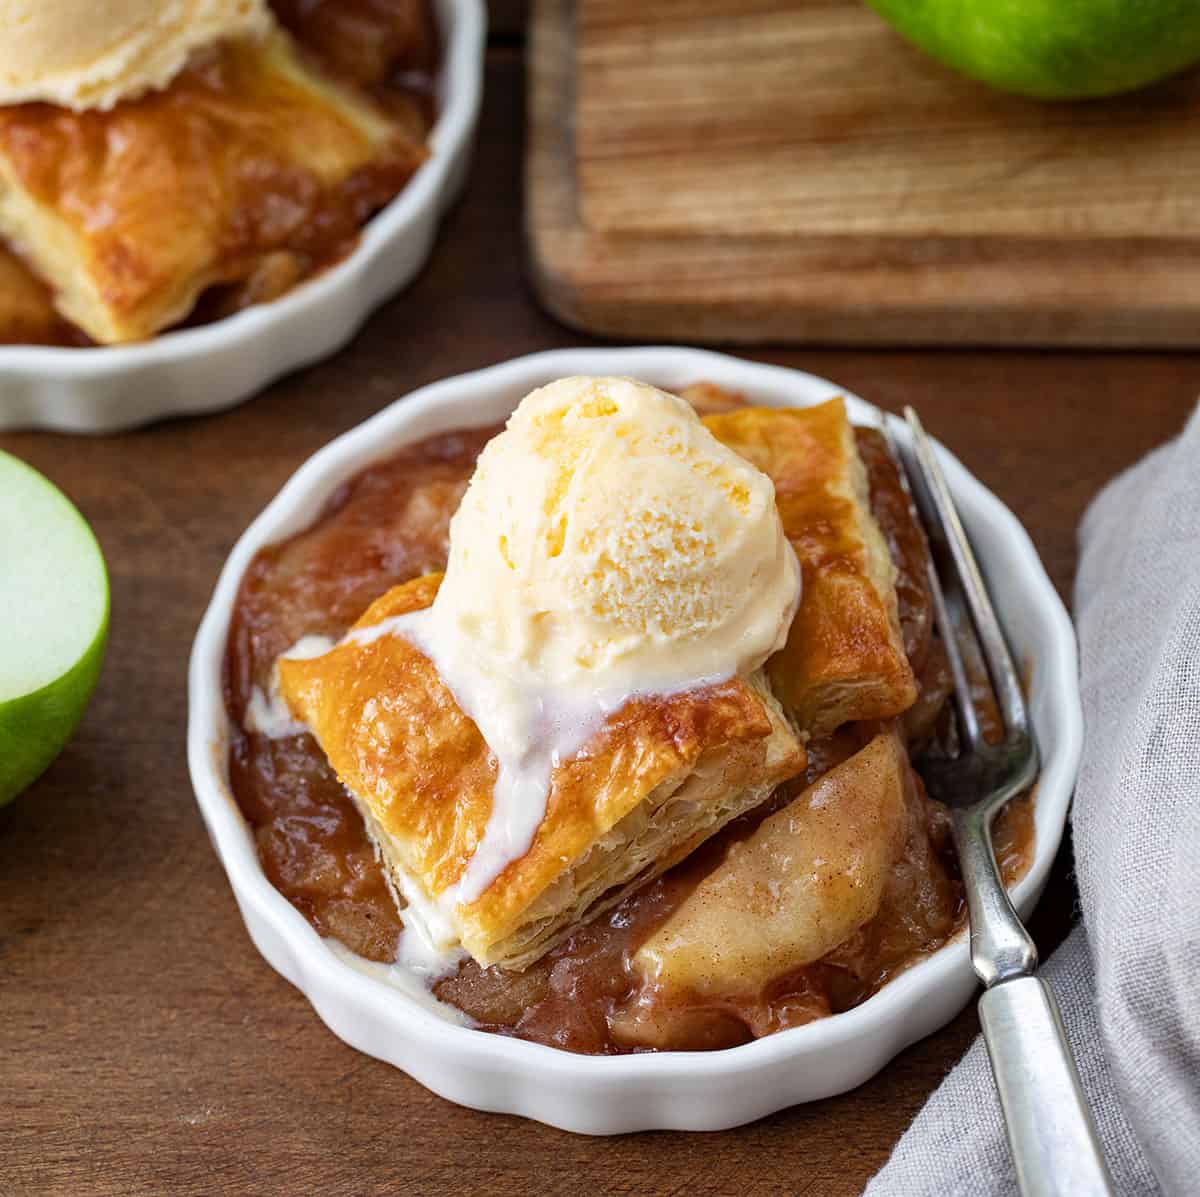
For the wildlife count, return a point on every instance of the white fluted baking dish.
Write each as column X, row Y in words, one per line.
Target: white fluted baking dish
column 214, row 366
column 597, row 1094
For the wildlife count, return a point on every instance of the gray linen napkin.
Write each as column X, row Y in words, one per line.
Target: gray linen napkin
column 1128, row 979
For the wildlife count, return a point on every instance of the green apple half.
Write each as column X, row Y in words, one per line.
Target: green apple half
column 1054, row 49
column 53, row 622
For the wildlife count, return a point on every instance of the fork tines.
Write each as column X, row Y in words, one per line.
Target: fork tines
column 949, row 542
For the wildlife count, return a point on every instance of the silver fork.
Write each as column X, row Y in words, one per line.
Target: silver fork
column 1050, row 1131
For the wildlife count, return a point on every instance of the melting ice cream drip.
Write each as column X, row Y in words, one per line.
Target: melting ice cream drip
column 267, row 713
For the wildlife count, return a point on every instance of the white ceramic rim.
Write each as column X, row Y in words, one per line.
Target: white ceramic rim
column 463, row 28
column 888, row 1015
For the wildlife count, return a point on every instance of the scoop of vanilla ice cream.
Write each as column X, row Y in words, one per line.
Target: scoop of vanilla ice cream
column 609, row 541
column 86, row 55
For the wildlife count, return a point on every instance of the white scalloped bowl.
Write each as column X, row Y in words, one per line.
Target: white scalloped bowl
column 607, row 1095
column 214, row 366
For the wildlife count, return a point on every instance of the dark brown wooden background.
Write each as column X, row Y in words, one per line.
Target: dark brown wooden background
column 145, row 1047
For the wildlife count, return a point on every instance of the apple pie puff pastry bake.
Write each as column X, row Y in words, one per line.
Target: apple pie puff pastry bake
column 189, row 192
column 612, row 745
column 658, row 777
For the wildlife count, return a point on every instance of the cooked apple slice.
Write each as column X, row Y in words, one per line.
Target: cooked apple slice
column 804, row 882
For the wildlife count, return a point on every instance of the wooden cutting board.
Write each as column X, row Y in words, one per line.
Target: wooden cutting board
column 791, row 171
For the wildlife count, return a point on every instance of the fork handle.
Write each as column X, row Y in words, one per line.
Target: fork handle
column 1053, row 1141
column 1001, row 948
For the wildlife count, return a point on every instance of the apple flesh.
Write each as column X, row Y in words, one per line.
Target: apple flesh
column 1054, row 49
column 54, row 607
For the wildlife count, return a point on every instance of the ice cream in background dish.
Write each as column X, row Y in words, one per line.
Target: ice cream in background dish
column 608, row 546
column 85, row 55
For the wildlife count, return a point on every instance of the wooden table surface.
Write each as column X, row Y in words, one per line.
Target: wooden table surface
column 145, row 1047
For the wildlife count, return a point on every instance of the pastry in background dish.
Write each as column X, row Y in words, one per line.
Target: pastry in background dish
column 192, row 154
column 27, row 314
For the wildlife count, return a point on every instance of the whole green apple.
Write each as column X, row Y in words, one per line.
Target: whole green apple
column 1054, row 49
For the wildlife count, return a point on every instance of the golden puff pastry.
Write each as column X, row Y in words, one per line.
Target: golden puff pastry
column 249, row 155
column 661, row 776
column 27, row 315
column 807, row 879
column 844, row 659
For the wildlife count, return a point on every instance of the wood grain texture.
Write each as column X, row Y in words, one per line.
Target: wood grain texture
column 791, row 170
column 145, row 1047
column 801, row 117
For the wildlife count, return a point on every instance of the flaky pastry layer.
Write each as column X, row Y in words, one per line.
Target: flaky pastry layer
column 661, row 776
column 844, row 658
